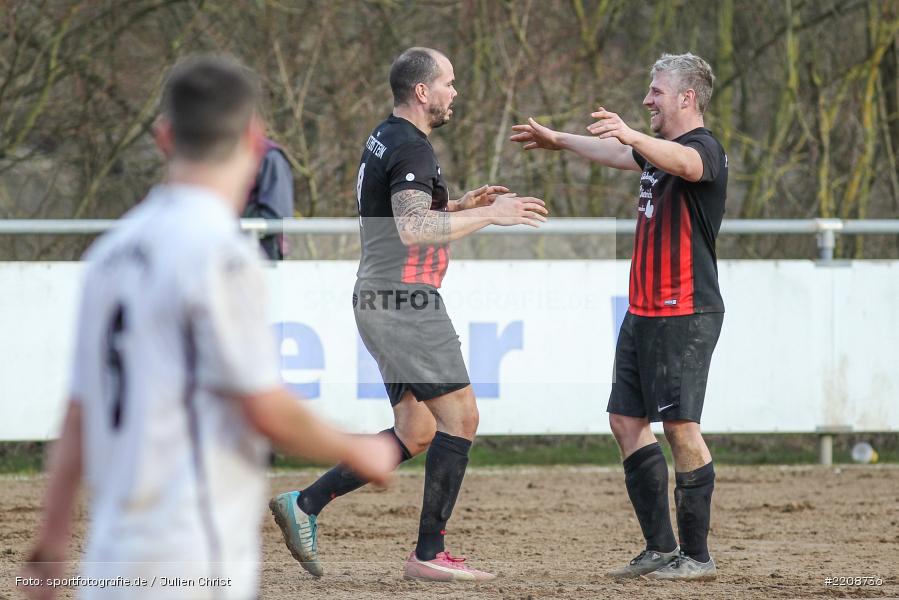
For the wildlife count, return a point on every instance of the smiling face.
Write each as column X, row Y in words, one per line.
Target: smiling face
column 441, row 93
column 665, row 104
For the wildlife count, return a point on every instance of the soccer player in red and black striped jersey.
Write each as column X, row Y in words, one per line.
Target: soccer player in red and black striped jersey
column 406, row 221
column 670, row 331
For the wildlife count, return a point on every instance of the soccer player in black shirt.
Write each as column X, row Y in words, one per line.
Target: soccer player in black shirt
column 666, row 341
column 406, row 223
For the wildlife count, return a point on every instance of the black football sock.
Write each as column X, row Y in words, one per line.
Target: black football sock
column 444, row 471
column 338, row 481
column 646, row 478
column 693, row 503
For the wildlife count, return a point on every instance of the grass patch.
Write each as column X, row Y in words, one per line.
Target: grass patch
column 21, row 457
column 730, row 449
column 489, row 451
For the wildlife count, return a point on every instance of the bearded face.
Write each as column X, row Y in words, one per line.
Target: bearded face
column 442, row 92
column 439, row 114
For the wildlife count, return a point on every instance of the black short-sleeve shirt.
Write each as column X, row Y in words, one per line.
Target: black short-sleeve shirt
column 398, row 156
column 674, row 268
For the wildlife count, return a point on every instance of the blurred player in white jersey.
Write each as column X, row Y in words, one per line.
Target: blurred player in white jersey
column 176, row 389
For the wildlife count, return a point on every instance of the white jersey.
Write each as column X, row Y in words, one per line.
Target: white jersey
column 172, row 325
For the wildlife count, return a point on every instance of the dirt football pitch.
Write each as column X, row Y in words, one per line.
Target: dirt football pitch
column 553, row 532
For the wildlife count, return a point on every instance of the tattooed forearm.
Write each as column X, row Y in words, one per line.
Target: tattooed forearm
column 416, row 222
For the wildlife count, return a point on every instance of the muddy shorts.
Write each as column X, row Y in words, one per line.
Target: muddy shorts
column 662, row 366
column 407, row 330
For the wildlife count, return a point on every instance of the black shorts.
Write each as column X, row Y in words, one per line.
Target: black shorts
column 662, row 366
column 407, row 330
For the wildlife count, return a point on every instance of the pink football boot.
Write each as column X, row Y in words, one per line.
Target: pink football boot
column 443, row 568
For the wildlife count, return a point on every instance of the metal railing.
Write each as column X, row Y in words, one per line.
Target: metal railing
column 825, row 230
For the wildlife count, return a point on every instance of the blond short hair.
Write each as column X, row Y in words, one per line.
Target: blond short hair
column 691, row 72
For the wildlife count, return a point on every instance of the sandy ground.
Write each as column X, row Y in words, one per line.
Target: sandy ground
column 553, row 532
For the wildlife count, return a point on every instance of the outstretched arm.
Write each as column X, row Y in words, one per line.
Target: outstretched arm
column 418, row 224
column 668, row 156
column 608, row 152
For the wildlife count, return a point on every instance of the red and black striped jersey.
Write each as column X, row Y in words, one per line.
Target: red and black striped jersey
column 674, row 269
column 398, row 156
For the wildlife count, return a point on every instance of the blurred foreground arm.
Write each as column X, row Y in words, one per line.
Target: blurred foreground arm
column 280, row 417
column 46, row 559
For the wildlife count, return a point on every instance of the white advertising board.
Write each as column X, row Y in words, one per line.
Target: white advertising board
column 803, row 346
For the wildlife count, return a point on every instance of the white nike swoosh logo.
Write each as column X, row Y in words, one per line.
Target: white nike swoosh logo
column 661, row 408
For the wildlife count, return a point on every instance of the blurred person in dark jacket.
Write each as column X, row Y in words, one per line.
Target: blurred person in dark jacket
column 272, row 197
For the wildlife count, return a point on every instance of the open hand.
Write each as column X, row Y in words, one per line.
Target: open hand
column 483, row 196
column 511, row 209
column 534, row 135
column 610, row 125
